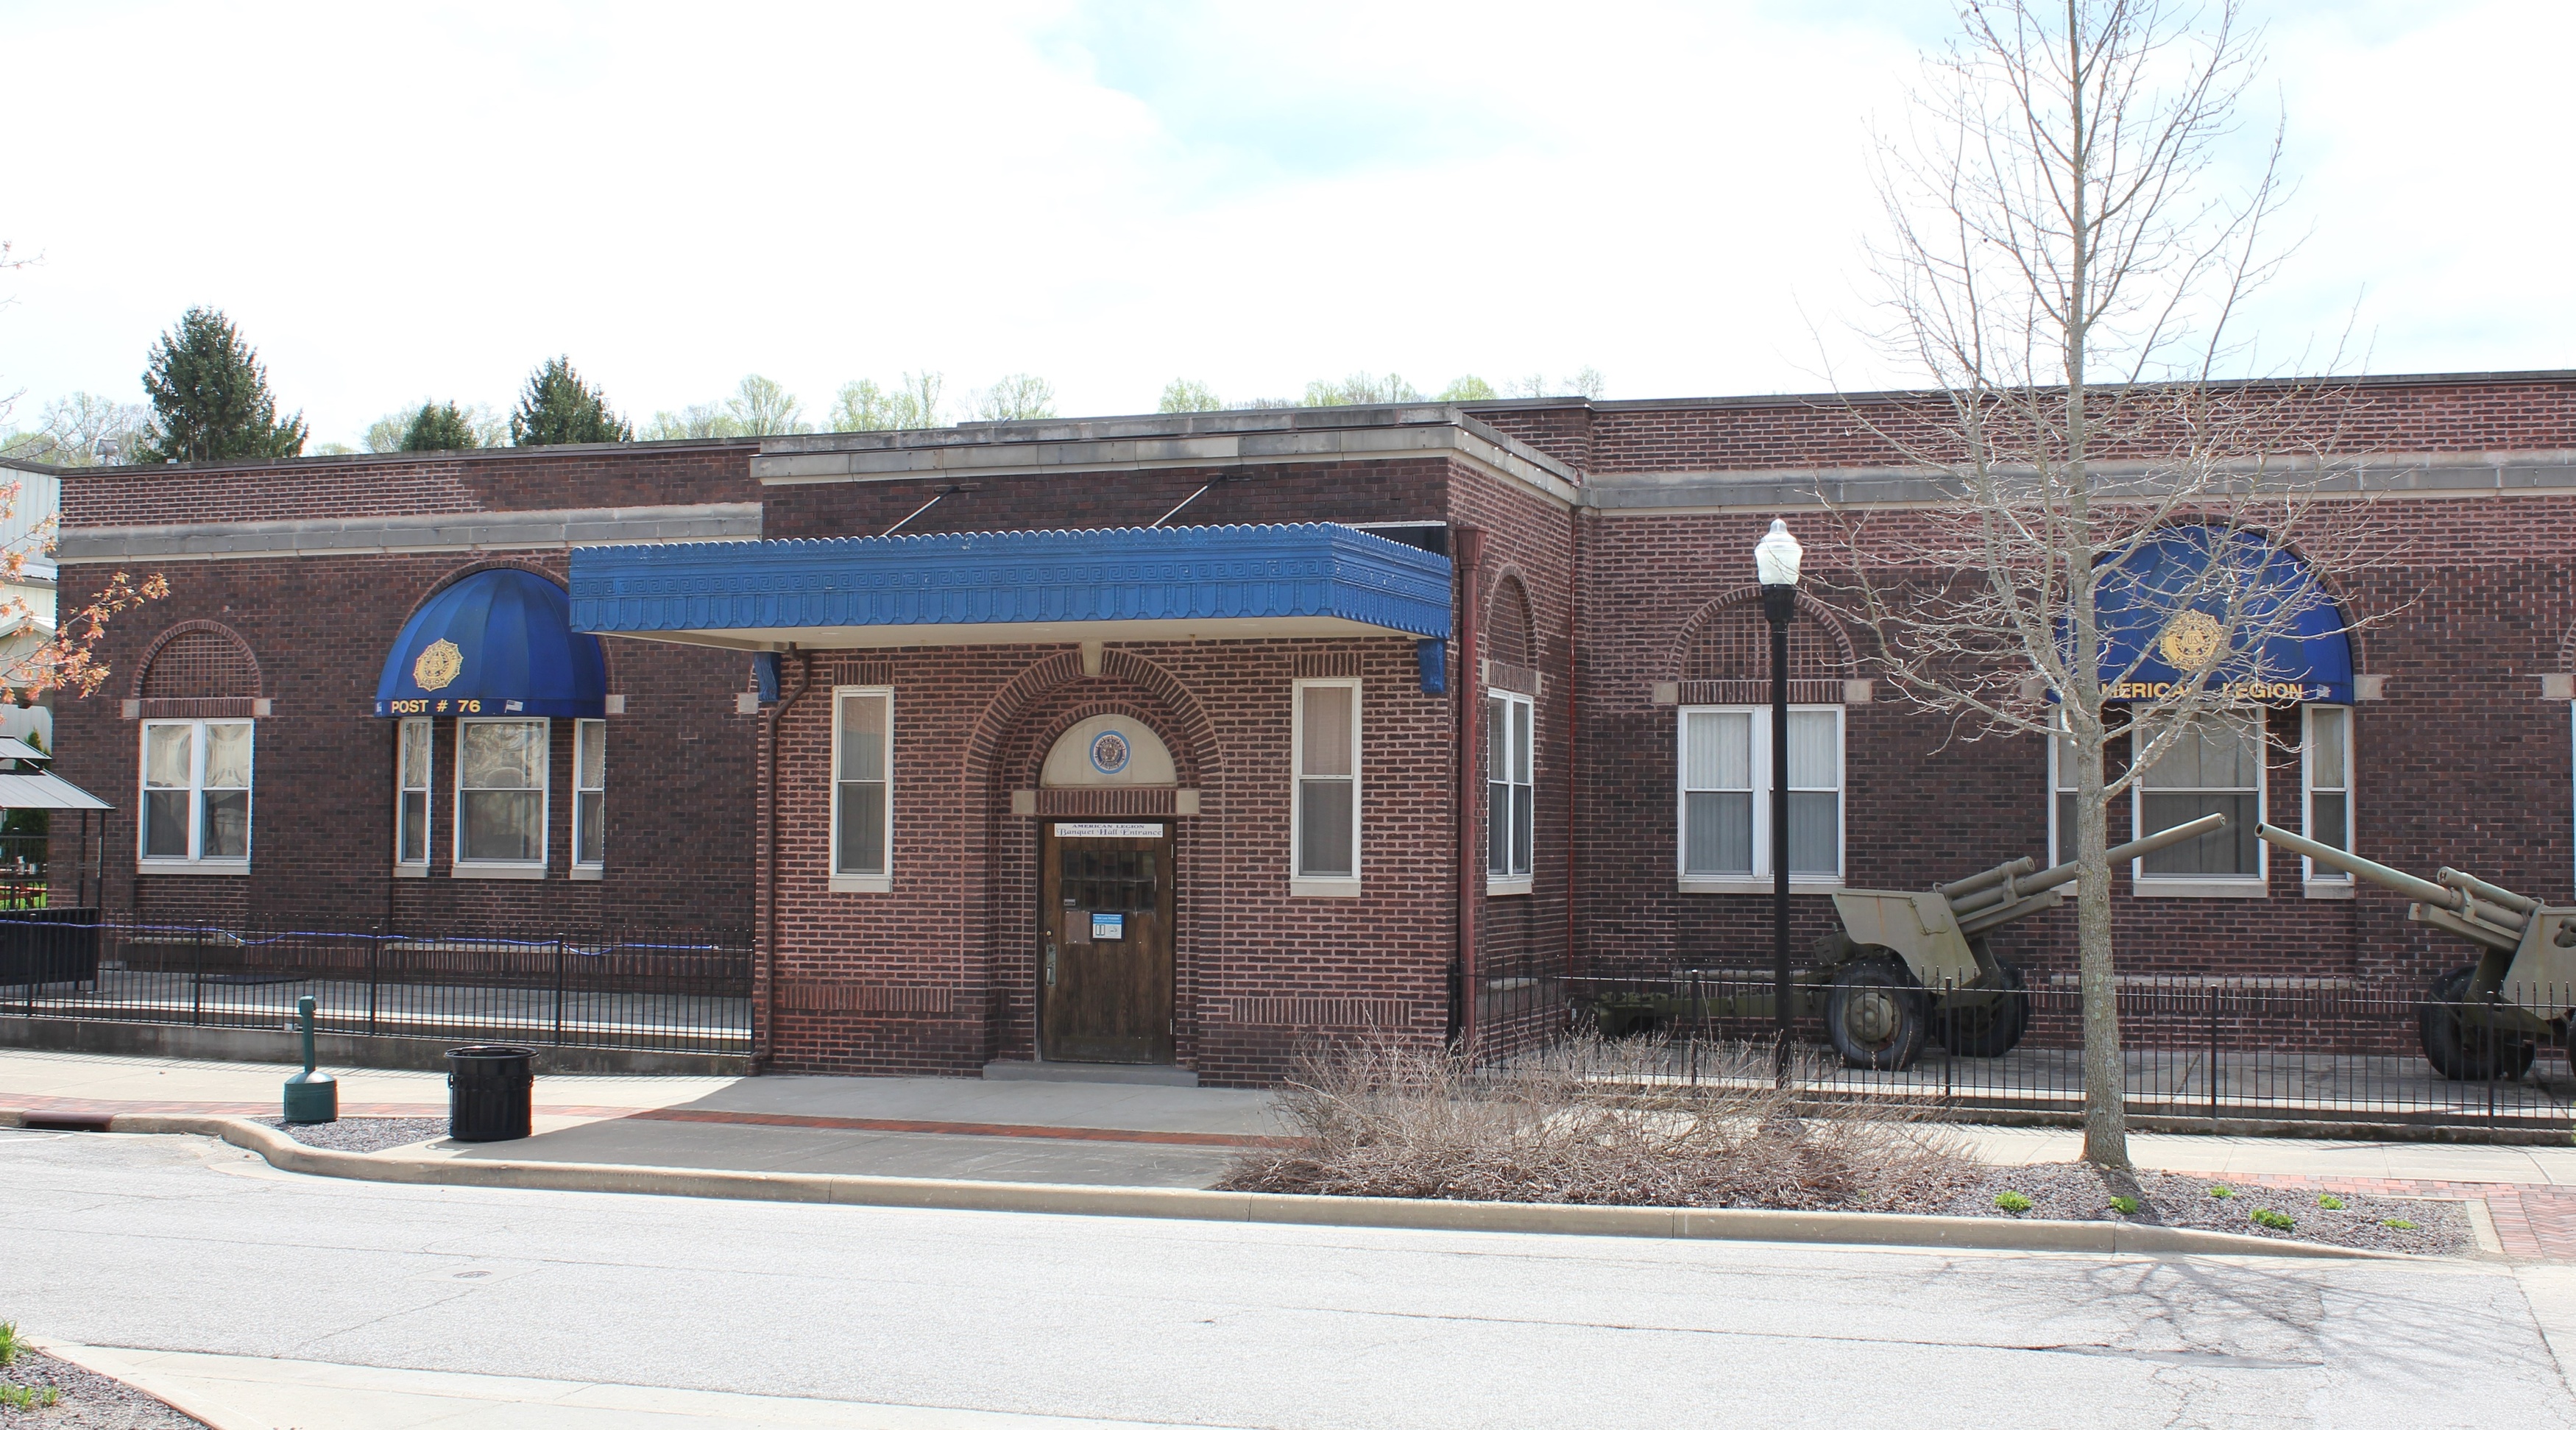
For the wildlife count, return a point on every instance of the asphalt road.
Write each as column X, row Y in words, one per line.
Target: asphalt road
column 183, row 1244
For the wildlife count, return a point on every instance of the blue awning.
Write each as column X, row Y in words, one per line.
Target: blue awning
column 981, row 588
column 2166, row 608
column 495, row 643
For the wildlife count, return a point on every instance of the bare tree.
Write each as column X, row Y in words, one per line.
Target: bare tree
column 865, row 406
column 1016, row 398
column 2111, row 562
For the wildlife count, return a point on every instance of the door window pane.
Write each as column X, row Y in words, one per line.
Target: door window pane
column 2329, row 779
column 589, row 791
column 411, row 792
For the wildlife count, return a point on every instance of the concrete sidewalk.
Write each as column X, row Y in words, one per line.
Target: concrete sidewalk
column 1114, row 1134
column 258, row 1393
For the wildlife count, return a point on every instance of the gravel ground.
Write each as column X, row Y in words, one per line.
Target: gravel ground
column 89, row 1401
column 361, row 1134
column 2071, row 1191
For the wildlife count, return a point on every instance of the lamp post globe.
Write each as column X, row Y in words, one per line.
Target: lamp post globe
column 1775, row 564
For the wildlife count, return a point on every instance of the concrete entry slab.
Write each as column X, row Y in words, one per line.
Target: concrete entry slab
column 1136, row 1073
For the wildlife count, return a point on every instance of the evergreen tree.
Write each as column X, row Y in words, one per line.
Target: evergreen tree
column 440, row 427
column 558, row 407
column 210, row 398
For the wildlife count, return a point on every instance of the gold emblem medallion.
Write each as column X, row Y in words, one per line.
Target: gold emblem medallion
column 2189, row 640
column 438, row 665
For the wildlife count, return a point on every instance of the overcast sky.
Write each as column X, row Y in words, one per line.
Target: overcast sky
column 398, row 202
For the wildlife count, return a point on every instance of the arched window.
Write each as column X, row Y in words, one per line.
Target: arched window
column 196, row 694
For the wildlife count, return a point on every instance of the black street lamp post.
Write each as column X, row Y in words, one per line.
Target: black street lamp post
column 1775, row 561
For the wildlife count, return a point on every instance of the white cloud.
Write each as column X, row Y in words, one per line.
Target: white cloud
column 404, row 203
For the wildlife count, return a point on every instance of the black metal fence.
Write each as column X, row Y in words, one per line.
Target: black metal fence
column 2195, row 1055
column 655, row 990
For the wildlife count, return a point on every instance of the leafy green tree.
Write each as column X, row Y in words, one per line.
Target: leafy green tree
column 441, row 427
column 912, row 403
column 210, row 397
column 762, row 408
column 1183, row 394
column 1360, row 389
column 1470, row 388
column 557, row 407
column 698, row 421
column 1020, row 397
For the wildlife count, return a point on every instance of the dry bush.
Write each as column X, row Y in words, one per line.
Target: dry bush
column 1597, row 1123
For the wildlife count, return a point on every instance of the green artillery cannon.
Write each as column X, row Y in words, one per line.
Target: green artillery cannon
column 2483, row 1021
column 1907, row 968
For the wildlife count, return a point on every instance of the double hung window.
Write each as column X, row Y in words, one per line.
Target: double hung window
column 2215, row 766
column 589, row 793
column 2327, row 777
column 196, row 793
column 1510, row 795
column 501, row 795
column 1325, row 814
column 1725, row 794
column 412, row 746
column 862, row 789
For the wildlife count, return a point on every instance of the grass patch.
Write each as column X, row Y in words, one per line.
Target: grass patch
column 2013, row 1202
column 1595, row 1123
column 8, row 1343
column 2330, row 1201
column 2222, row 1193
column 2401, row 1223
column 29, row 1397
column 2125, row 1206
column 2266, row 1217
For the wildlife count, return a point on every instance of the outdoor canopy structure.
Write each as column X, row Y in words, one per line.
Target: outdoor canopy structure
column 495, row 643
column 25, row 788
column 1014, row 587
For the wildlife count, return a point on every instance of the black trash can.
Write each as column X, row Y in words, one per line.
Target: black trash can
column 489, row 1090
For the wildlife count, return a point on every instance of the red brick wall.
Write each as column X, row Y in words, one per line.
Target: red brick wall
column 938, row 976
column 318, row 488
column 679, row 790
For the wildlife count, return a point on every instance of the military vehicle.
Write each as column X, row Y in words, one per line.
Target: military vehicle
column 1905, row 968
column 2485, row 1020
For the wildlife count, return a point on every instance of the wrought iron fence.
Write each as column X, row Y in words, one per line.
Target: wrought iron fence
column 658, row 990
column 2233, row 1055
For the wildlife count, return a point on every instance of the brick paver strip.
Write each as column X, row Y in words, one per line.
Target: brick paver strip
column 88, row 1109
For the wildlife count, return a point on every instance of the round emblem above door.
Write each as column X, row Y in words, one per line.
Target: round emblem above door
column 1109, row 752
column 438, row 665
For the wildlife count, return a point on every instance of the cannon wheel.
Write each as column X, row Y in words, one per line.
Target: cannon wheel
column 1989, row 1027
column 1875, row 1016
column 2457, row 1047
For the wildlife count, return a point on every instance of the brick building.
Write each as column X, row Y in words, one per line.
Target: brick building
column 1177, row 740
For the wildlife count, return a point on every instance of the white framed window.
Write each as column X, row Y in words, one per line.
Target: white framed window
column 413, row 743
column 1511, row 803
column 1324, row 813
column 2325, row 780
column 589, row 796
column 2061, row 801
column 2215, row 767
column 196, row 796
column 1725, row 798
column 862, row 790
column 501, row 798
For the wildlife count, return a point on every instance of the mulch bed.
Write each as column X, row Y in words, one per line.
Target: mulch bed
column 360, row 1134
column 2074, row 1191
column 89, row 1401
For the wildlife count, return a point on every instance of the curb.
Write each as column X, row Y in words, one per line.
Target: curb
column 1260, row 1208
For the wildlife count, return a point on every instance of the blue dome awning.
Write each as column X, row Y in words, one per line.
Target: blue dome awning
column 2163, row 610
column 495, row 643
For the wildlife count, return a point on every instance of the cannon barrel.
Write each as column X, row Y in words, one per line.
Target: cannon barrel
column 2135, row 849
column 2422, row 890
column 2002, row 894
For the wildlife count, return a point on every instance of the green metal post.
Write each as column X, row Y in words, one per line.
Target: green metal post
column 311, row 1096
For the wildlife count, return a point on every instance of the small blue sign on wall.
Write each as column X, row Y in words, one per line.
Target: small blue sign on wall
column 1107, row 926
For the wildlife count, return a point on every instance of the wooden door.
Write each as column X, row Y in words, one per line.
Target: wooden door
column 1105, row 943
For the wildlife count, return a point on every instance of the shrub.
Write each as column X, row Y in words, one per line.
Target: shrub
column 2222, row 1193
column 2330, row 1201
column 2401, row 1223
column 2013, row 1202
column 1590, row 1122
column 8, row 1343
column 2266, row 1217
column 2125, row 1206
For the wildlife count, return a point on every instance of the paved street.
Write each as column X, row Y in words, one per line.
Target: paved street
column 182, row 1244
